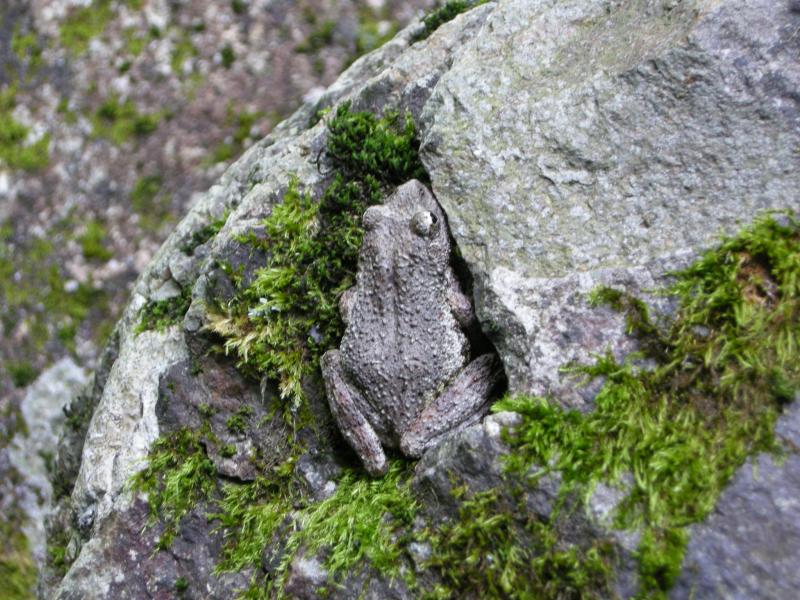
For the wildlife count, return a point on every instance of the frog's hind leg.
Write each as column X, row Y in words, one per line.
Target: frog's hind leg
column 354, row 426
column 462, row 403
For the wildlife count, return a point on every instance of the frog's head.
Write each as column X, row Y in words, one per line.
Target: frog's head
column 409, row 225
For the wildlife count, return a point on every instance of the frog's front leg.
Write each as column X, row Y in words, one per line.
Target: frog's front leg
column 351, row 421
column 462, row 403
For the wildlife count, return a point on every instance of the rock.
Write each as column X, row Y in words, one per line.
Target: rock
column 124, row 424
column 604, row 143
column 571, row 144
column 129, row 415
column 118, row 561
column 31, row 451
column 748, row 546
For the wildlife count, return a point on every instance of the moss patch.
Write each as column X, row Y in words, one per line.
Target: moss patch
column 83, row 24
column 178, row 475
column 282, row 322
column 725, row 363
column 26, row 48
column 158, row 315
column 17, row 569
column 496, row 549
column 360, row 524
column 150, row 202
column 94, row 242
column 33, row 291
column 16, row 150
column 441, row 15
column 120, row 121
column 319, row 38
column 182, row 51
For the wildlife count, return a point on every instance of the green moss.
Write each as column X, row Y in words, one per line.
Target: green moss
column 93, row 242
column 69, row 117
column 496, row 549
column 135, row 42
column 178, row 476
column 358, row 525
column 150, row 202
column 17, row 569
column 144, row 192
column 22, row 373
column 183, row 50
column 15, row 150
column 237, row 422
column 447, row 12
column 318, row 39
column 32, row 290
column 370, row 36
column 227, row 56
column 288, row 316
column 83, row 24
column 181, row 585
column 160, row 314
column 119, row 122
column 724, row 365
column 239, row 7
column 26, row 48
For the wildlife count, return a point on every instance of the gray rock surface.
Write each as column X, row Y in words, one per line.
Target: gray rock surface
column 748, row 547
column 31, row 451
column 595, row 142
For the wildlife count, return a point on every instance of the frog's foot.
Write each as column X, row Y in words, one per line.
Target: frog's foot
column 352, row 423
column 461, row 404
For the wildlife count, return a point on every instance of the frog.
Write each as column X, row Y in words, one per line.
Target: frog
column 403, row 376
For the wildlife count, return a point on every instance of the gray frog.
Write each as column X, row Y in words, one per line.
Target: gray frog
column 402, row 376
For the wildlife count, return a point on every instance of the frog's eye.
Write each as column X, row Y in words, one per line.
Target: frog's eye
column 425, row 223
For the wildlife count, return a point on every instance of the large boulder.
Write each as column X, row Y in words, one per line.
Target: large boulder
column 571, row 143
column 596, row 142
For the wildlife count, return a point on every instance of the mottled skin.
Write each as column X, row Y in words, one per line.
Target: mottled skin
column 402, row 377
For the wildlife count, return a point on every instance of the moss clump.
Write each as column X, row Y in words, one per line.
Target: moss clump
column 359, row 524
column 34, row 291
column 285, row 319
column 183, row 50
column 83, row 24
column 150, row 202
column 135, row 41
column 447, row 12
column 26, row 48
column 15, row 150
column 119, row 122
column 178, row 475
column 318, row 39
column 93, row 242
column 227, row 56
column 496, row 549
column 725, row 363
column 22, row 373
column 17, row 569
column 159, row 314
